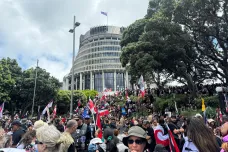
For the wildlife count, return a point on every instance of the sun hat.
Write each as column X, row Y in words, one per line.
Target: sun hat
column 210, row 120
column 96, row 141
column 198, row 115
column 135, row 131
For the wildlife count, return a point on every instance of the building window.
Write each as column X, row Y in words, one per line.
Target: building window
column 98, row 82
column 87, row 81
column 119, row 81
column 109, row 80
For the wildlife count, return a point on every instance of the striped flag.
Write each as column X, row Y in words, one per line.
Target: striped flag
column 172, row 143
column 141, row 85
column 54, row 112
column 1, row 109
column 47, row 107
column 91, row 106
column 98, row 123
column 103, row 112
column 104, row 13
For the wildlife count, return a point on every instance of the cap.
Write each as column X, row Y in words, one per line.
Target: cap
column 96, row 141
column 135, row 131
column 87, row 117
column 16, row 122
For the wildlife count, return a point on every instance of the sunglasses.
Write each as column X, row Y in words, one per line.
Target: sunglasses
column 38, row 142
column 77, row 119
column 137, row 141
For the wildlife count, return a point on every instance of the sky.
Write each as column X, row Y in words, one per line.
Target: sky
column 38, row 29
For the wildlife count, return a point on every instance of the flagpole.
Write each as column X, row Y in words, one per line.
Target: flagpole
column 107, row 19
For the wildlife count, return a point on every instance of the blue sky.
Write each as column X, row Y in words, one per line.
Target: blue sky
column 38, row 29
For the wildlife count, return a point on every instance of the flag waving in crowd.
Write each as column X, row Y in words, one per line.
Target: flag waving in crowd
column 141, row 86
column 47, row 107
column 1, row 109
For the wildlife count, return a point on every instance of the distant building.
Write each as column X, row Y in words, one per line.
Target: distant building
column 97, row 65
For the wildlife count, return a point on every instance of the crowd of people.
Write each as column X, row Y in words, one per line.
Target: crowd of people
column 119, row 130
column 153, row 133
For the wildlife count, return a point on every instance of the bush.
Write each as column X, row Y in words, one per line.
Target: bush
column 211, row 101
column 164, row 102
column 90, row 93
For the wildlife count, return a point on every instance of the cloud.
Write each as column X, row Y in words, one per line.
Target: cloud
column 32, row 30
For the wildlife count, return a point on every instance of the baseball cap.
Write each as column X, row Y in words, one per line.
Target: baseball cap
column 87, row 117
column 16, row 122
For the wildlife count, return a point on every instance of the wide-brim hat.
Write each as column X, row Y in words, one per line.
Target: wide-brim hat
column 137, row 132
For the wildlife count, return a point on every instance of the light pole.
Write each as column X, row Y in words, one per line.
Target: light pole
column 75, row 24
column 34, row 92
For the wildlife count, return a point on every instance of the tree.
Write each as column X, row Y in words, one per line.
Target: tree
column 207, row 22
column 6, row 81
column 47, row 88
column 63, row 100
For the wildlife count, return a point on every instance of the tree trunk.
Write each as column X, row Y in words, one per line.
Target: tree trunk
column 191, row 85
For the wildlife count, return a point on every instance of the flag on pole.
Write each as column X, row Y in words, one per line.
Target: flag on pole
column 172, row 143
column 98, row 123
column 1, row 109
column 54, row 112
column 104, row 13
column 47, row 107
column 141, row 85
column 91, row 106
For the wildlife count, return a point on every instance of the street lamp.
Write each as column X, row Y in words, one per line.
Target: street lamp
column 75, row 24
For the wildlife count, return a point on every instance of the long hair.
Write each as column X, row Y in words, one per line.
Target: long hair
column 28, row 137
column 201, row 135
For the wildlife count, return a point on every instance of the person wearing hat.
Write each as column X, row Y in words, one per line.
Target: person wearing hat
column 79, row 135
column 94, row 145
column 90, row 132
column 18, row 132
column 110, row 140
column 136, row 140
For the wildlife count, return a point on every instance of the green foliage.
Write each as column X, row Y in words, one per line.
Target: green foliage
column 211, row 101
column 90, row 93
column 182, row 100
column 6, row 81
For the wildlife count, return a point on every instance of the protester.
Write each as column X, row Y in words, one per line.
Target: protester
column 136, row 139
column 67, row 142
column 111, row 145
column 199, row 137
column 48, row 139
column 28, row 141
column 18, row 132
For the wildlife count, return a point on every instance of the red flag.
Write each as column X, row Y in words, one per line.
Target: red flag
column 141, row 84
column 172, row 143
column 98, row 123
column 54, row 112
column 91, row 106
column 103, row 112
column 1, row 109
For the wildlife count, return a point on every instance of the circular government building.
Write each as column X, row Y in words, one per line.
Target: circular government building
column 97, row 65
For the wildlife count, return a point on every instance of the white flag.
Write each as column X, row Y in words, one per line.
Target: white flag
column 47, row 107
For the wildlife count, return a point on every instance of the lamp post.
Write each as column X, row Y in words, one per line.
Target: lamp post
column 34, row 91
column 75, row 24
